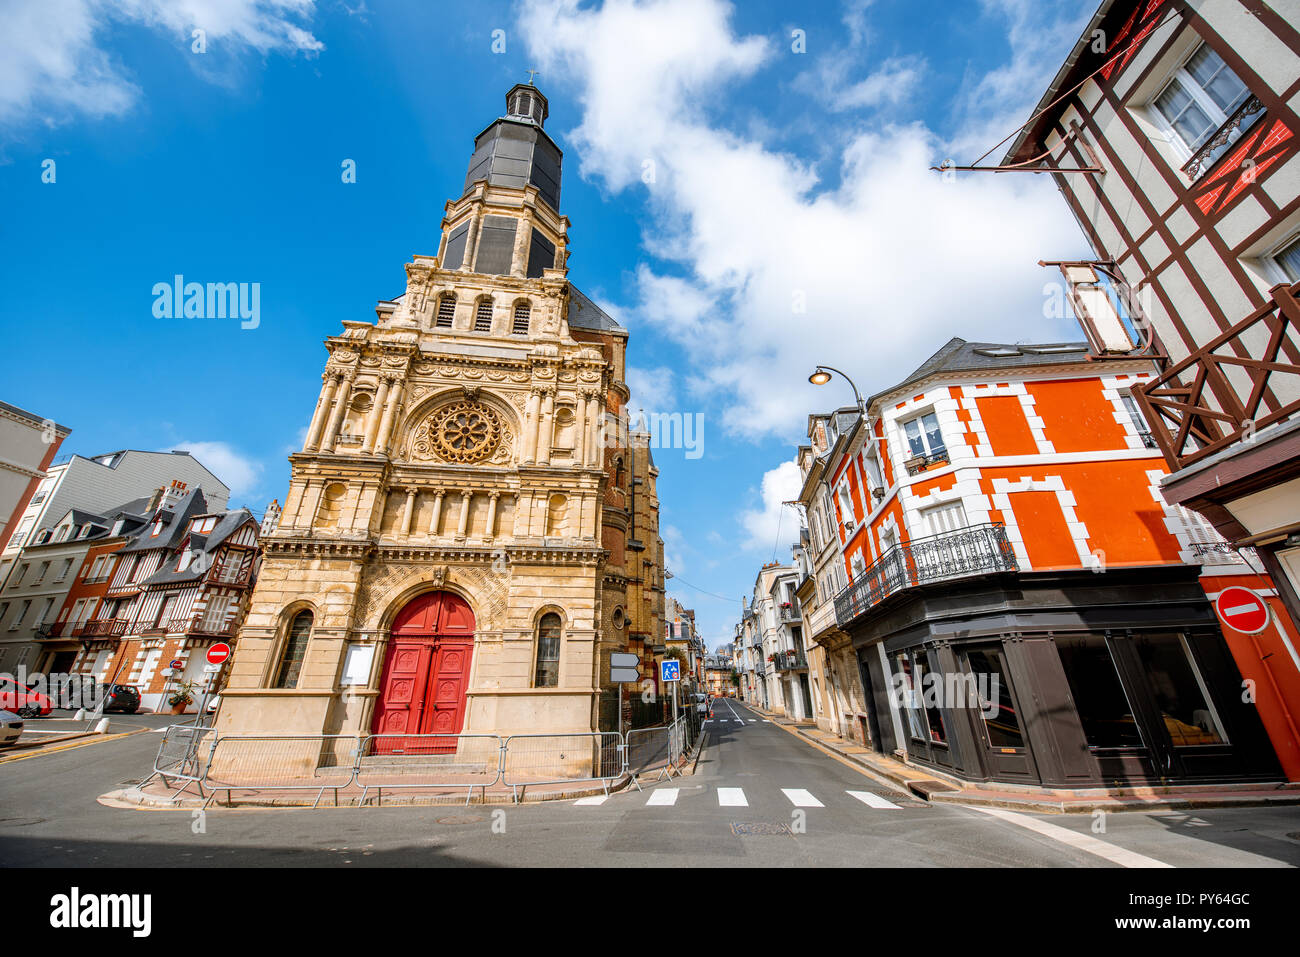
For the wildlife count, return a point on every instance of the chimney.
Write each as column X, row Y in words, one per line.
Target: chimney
column 272, row 517
column 155, row 500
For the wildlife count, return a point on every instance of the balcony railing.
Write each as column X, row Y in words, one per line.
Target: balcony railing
column 921, row 463
column 1241, row 381
column 104, row 628
column 788, row 612
column 1242, row 119
column 969, row 552
column 789, row 661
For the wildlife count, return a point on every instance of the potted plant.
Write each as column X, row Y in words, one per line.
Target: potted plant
column 180, row 698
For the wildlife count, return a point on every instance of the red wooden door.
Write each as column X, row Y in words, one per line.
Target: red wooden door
column 426, row 674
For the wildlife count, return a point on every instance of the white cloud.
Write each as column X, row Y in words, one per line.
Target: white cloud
column 652, row 389
column 674, row 548
column 238, row 471
column 774, row 523
column 53, row 66
column 887, row 265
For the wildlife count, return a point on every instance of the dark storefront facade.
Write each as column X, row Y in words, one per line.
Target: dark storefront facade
column 1119, row 678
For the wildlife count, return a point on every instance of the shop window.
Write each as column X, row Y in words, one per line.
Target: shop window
column 909, row 696
column 931, row 693
column 1099, row 697
column 1003, row 726
column 1179, row 690
column 295, row 650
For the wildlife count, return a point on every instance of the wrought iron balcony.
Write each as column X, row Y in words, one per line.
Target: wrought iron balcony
column 921, row 463
column 1243, row 117
column 969, row 552
column 788, row 611
column 1241, row 381
column 104, row 628
column 789, row 661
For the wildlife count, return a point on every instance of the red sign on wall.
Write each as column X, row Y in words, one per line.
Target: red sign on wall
column 218, row 653
column 1242, row 610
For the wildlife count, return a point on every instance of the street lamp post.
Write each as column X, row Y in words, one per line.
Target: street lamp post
column 822, row 374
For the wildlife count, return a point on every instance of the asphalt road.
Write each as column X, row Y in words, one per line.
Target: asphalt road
column 761, row 796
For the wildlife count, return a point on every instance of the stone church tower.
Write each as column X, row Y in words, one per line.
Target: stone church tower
column 459, row 543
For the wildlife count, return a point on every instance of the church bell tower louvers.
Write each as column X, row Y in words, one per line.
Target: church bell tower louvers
column 464, row 540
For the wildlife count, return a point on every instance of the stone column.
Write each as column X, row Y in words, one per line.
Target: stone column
column 390, row 413
column 465, row 498
column 330, row 380
column 523, row 246
column 580, row 432
column 594, row 438
column 409, row 513
column 437, row 512
column 340, row 409
column 530, row 427
column 376, row 413
column 492, row 515
column 546, row 429
column 471, row 241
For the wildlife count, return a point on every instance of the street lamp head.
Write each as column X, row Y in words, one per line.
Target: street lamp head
column 820, row 377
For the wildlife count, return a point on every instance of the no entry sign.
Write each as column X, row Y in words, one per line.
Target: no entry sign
column 218, row 653
column 1242, row 610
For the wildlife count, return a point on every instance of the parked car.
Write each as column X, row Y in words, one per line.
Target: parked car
column 125, row 698
column 701, row 702
column 11, row 726
column 22, row 701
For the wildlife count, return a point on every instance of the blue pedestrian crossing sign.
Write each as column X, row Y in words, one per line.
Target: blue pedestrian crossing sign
column 670, row 670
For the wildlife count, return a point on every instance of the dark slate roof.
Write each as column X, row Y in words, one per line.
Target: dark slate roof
column 585, row 314
column 958, row 355
column 175, row 521
column 206, row 544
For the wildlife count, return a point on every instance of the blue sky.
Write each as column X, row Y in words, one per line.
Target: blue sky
column 790, row 218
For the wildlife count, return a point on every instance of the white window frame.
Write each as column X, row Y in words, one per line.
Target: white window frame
column 925, row 437
column 1194, row 89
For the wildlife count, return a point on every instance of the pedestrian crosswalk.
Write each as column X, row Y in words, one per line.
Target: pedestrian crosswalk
column 736, row 797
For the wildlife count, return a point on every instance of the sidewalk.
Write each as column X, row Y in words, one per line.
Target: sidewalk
column 941, row 789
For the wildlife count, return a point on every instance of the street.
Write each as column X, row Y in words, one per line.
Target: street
column 760, row 796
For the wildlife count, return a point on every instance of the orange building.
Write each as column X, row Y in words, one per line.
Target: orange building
column 1004, row 535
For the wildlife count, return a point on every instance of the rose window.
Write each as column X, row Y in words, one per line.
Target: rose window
column 465, row 432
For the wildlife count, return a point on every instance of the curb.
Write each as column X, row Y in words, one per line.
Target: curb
column 68, row 743
column 134, row 799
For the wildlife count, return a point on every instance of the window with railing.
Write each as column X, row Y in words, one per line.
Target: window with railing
column 925, row 442
column 1203, row 109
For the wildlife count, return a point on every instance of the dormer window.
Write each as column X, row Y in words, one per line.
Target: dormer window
column 156, row 529
column 446, row 312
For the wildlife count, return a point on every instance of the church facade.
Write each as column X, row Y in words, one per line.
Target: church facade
column 458, row 550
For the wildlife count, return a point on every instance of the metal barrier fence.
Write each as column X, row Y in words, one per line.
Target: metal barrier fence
column 396, row 761
column 377, row 762
column 181, row 756
column 283, row 762
column 534, row 759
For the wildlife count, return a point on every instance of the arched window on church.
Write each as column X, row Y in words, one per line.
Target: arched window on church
column 522, row 313
column 483, row 315
column 446, row 311
column 294, row 651
column 547, row 674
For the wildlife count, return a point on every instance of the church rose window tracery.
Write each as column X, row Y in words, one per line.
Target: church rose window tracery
column 464, row 432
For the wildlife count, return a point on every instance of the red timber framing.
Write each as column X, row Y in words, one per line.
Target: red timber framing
column 1216, row 189
column 1175, row 404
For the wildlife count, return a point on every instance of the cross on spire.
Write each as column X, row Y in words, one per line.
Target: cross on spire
column 531, row 74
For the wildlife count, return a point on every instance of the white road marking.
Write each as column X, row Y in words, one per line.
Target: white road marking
column 872, row 800
column 1082, row 842
column 732, row 797
column 753, row 721
column 765, row 721
column 801, row 798
column 664, row 797
column 597, row 799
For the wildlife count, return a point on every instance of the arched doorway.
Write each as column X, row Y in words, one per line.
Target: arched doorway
column 426, row 673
